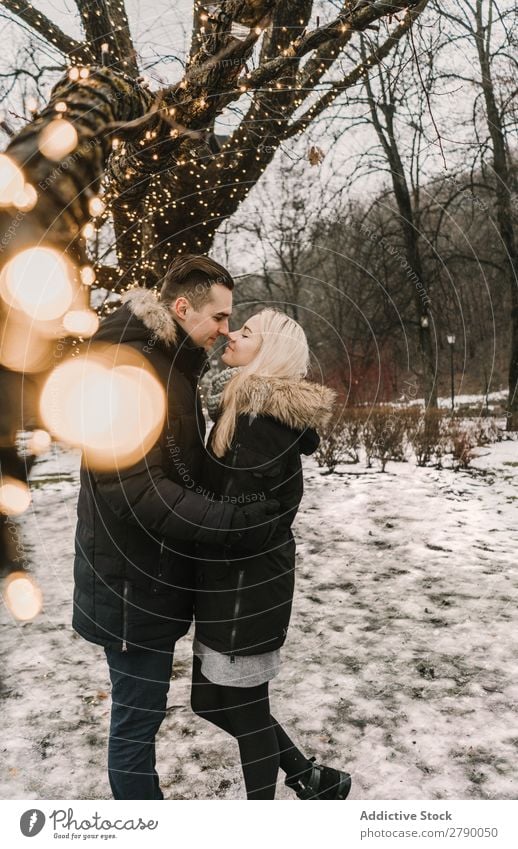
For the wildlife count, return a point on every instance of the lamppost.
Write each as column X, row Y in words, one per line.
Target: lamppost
column 451, row 343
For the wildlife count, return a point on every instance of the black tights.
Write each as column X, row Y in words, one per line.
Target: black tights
column 244, row 712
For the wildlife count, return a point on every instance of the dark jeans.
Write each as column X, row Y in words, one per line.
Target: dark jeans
column 140, row 683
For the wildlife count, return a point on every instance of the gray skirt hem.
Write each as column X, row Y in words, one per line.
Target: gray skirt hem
column 248, row 671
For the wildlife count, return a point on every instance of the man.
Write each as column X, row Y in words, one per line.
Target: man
column 136, row 527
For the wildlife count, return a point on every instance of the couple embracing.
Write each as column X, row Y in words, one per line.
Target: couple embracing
column 203, row 531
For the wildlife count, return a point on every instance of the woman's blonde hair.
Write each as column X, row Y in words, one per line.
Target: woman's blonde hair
column 284, row 353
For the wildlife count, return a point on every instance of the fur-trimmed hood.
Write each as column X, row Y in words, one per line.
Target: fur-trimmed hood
column 298, row 404
column 142, row 319
column 145, row 305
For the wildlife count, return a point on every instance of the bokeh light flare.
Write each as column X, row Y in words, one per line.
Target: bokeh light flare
column 11, row 181
column 57, row 139
column 39, row 282
column 15, row 496
column 39, row 442
column 23, row 596
column 83, row 323
column 108, row 403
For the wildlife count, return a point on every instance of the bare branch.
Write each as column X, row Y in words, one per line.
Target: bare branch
column 75, row 50
column 360, row 71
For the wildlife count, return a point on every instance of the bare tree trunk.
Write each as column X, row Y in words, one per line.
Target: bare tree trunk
column 504, row 212
column 410, row 231
column 94, row 105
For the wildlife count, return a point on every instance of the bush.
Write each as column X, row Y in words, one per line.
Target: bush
column 332, row 449
column 426, row 433
column 384, row 435
column 462, row 443
column 486, row 431
column 352, row 427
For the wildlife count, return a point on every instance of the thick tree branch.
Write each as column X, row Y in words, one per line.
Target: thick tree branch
column 92, row 105
column 358, row 19
column 324, row 57
column 105, row 23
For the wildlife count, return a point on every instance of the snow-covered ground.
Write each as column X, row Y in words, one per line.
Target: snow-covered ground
column 495, row 400
column 401, row 663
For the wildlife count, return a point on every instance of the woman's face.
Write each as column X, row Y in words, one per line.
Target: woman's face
column 243, row 344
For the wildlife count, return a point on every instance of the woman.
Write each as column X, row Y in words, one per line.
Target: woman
column 266, row 420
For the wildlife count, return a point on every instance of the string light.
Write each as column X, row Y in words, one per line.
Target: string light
column 87, row 275
column 27, row 199
column 158, row 204
column 96, row 207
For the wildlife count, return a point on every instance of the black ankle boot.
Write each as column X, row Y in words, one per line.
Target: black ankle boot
column 323, row 783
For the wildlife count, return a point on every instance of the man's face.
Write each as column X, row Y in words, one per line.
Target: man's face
column 210, row 321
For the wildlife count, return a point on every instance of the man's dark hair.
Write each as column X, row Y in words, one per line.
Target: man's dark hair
column 192, row 277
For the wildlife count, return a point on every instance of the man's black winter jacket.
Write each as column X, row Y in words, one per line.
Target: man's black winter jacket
column 135, row 530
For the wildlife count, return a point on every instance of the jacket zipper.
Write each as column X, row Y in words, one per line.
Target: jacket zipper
column 241, row 574
column 237, row 607
column 233, row 461
column 160, row 559
column 125, row 617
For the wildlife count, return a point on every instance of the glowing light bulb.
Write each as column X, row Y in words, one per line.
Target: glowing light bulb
column 27, row 199
column 22, row 596
column 84, row 73
column 88, row 230
column 81, row 323
column 57, row 139
column 96, row 207
column 39, row 282
column 87, row 275
column 73, row 73
column 14, row 496
column 11, row 181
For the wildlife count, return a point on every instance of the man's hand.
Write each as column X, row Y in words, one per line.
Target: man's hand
column 254, row 525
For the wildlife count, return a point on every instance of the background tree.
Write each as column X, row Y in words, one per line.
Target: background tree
column 490, row 33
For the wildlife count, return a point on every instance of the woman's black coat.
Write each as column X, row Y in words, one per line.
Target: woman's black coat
column 243, row 606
